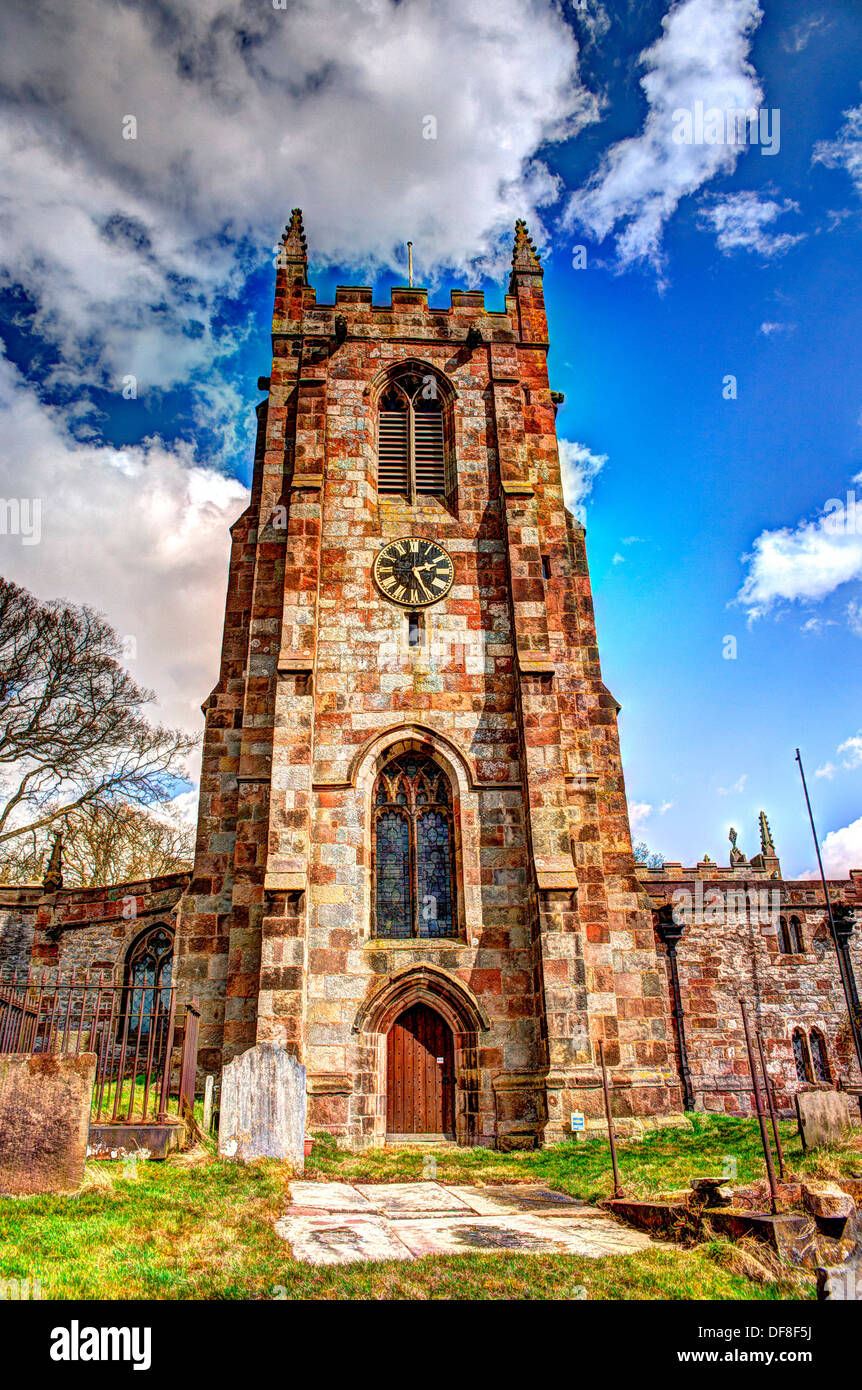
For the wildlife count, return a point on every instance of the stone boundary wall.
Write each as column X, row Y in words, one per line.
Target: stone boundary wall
column 82, row 928
column 18, row 908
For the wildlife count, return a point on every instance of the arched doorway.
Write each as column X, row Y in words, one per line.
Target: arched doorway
column 420, row 1075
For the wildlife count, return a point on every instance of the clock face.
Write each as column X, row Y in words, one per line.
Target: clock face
column 414, row 572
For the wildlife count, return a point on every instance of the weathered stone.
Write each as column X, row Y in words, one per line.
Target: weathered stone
column 828, row 1200
column 791, row 1236
column 153, row 1141
column 263, row 1106
column 840, row 1282
column 824, row 1117
column 656, row 1217
column 711, row 1192
column 44, row 1118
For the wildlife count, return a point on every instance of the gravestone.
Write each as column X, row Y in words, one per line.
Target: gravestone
column 44, row 1121
column 263, row 1106
column 824, row 1117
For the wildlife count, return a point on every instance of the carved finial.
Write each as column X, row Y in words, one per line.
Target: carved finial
column 524, row 255
column 766, row 845
column 736, row 855
column 53, row 880
column 294, row 237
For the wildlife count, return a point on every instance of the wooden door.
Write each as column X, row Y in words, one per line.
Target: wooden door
column 420, row 1087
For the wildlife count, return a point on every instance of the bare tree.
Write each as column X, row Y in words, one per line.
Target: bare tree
column 644, row 855
column 72, row 733
column 111, row 842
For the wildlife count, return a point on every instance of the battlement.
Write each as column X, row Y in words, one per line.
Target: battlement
column 408, row 314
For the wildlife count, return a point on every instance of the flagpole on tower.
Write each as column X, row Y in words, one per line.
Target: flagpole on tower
column 410, row 264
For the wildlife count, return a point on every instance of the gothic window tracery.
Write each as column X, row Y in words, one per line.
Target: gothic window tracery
column 148, row 970
column 413, row 850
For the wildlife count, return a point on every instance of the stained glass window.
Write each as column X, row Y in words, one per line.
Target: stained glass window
column 414, row 889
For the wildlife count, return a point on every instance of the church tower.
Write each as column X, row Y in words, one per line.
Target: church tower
column 414, row 866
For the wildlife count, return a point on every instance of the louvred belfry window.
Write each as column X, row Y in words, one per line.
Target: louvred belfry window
column 411, row 438
column 413, row 853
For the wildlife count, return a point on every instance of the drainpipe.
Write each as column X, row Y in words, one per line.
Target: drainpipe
column 844, row 921
column 671, row 934
column 845, row 968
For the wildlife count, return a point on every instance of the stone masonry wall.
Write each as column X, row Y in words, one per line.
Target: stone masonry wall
column 318, row 687
column 728, row 953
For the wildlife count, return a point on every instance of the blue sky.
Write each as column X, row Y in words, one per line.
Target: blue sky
column 708, row 518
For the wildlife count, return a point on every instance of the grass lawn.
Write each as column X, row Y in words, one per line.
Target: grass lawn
column 195, row 1227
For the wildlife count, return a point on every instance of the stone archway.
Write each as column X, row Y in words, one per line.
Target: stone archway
column 415, row 989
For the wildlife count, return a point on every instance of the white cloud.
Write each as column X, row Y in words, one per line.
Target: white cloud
column 846, row 150
column 740, row 221
column 139, row 533
column 128, row 246
column 579, row 467
column 639, row 813
column 850, row 752
column 805, row 562
column 701, row 56
column 738, row 786
column 769, row 330
column 665, row 807
column 799, row 35
column 853, row 613
column 841, row 850
column 593, row 20
column 618, row 559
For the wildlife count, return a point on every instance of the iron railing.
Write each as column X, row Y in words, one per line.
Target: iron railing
column 131, row 1027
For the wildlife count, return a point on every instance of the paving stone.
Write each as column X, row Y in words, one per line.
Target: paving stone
column 396, row 1199
column 329, row 1196
column 409, row 1220
column 514, row 1198
column 327, row 1239
column 527, row 1234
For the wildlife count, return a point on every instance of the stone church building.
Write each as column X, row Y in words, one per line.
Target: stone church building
column 414, row 864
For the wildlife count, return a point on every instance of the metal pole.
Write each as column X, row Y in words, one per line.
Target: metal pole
column 410, row 263
column 846, row 985
column 671, row 934
column 767, row 1084
column 618, row 1192
column 761, row 1118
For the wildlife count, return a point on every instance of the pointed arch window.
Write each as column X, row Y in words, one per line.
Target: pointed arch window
column 801, row 1056
column 147, row 980
column 413, row 850
column 411, row 438
column 819, row 1058
column 794, row 930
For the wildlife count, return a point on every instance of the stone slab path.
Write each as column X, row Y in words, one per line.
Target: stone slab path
column 339, row 1223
